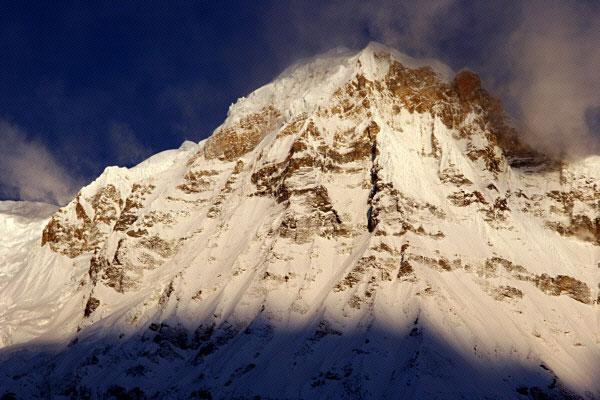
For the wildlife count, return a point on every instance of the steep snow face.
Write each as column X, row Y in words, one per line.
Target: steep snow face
column 363, row 227
column 21, row 225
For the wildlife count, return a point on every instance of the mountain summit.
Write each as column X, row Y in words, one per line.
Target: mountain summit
column 365, row 226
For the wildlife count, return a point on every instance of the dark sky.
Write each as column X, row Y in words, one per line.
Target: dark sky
column 91, row 84
column 72, row 73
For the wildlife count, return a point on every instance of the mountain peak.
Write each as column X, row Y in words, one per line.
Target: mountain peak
column 360, row 206
column 309, row 82
column 378, row 52
column 371, row 80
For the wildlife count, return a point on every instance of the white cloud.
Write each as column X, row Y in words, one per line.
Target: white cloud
column 29, row 171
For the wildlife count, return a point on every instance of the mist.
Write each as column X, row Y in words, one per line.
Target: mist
column 555, row 59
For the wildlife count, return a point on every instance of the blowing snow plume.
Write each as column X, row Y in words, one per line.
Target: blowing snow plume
column 29, row 171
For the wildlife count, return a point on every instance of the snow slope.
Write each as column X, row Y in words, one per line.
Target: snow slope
column 21, row 225
column 362, row 227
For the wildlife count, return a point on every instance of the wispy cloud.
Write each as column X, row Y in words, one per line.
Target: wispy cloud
column 199, row 107
column 29, row 171
column 415, row 27
column 124, row 145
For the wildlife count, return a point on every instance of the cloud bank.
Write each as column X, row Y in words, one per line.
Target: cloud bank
column 29, row 171
column 555, row 58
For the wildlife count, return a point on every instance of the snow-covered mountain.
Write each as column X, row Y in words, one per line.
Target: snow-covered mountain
column 365, row 226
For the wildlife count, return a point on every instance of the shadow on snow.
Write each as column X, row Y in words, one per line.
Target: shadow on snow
column 262, row 362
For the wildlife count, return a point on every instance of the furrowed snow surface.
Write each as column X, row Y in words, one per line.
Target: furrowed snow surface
column 21, row 225
column 362, row 227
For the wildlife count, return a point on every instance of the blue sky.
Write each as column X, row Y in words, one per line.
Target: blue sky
column 71, row 74
column 90, row 84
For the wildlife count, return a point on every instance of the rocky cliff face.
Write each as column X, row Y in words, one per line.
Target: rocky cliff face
column 368, row 224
